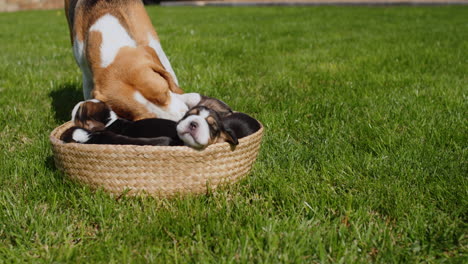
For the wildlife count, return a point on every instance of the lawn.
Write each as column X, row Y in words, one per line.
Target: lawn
column 365, row 156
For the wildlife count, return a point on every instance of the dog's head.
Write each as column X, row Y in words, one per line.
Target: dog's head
column 202, row 126
column 93, row 115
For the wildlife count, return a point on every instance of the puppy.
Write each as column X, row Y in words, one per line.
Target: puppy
column 202, row 126
column 96, row 123
column 100, row 124
column 94, row 115
column 83, row 136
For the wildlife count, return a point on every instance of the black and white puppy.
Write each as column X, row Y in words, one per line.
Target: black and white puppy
column 96, row 123
column 202, row 126
column 80, row 135
column 95, row 115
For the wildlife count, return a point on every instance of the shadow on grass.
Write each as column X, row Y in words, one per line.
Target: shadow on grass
column 58, row 176
column 64, row 99
column 62, row 183
column 50, row 163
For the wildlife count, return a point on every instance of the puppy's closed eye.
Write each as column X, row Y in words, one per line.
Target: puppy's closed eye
column 212, row 122
column 193, row 111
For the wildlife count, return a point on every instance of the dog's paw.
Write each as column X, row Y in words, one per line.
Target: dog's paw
column 176, row 109
column 76, row 135
column 190, row 99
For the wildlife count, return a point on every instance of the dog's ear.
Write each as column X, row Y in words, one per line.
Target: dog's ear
column 158, row 67
column 229, row 136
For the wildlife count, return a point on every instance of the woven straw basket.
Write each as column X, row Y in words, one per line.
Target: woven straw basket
column 154, row 170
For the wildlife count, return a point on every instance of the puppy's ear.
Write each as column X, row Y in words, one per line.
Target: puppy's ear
column 229, row 136
column 94, row 125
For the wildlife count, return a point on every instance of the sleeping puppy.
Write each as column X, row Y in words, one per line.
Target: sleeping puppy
column 94, row 115
column 80, row 135
column 96, row 123
column 202, row 126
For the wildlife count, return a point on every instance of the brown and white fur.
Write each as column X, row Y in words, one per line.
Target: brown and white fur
column 96, row 123
column 202, row 126
column 121, row 59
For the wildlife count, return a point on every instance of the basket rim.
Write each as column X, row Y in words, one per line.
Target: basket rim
column 56, row 132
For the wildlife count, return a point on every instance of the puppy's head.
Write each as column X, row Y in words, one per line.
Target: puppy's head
column 93, row 115
column 202, row 126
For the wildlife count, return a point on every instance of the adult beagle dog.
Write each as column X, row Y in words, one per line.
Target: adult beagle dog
column 122, row 61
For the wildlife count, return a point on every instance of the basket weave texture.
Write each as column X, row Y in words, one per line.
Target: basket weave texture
column 154, row 170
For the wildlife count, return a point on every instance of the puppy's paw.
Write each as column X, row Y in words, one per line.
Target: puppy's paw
column 76, row 135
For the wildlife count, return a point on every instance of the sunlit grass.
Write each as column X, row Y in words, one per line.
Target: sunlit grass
column 364, row 157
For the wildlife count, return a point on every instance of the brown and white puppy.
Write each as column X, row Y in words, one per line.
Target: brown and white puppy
column 93, row 115
column 202, row 126
column 96, row 123
column 121, row 59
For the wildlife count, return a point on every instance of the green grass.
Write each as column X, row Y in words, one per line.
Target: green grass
column 364, row 157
